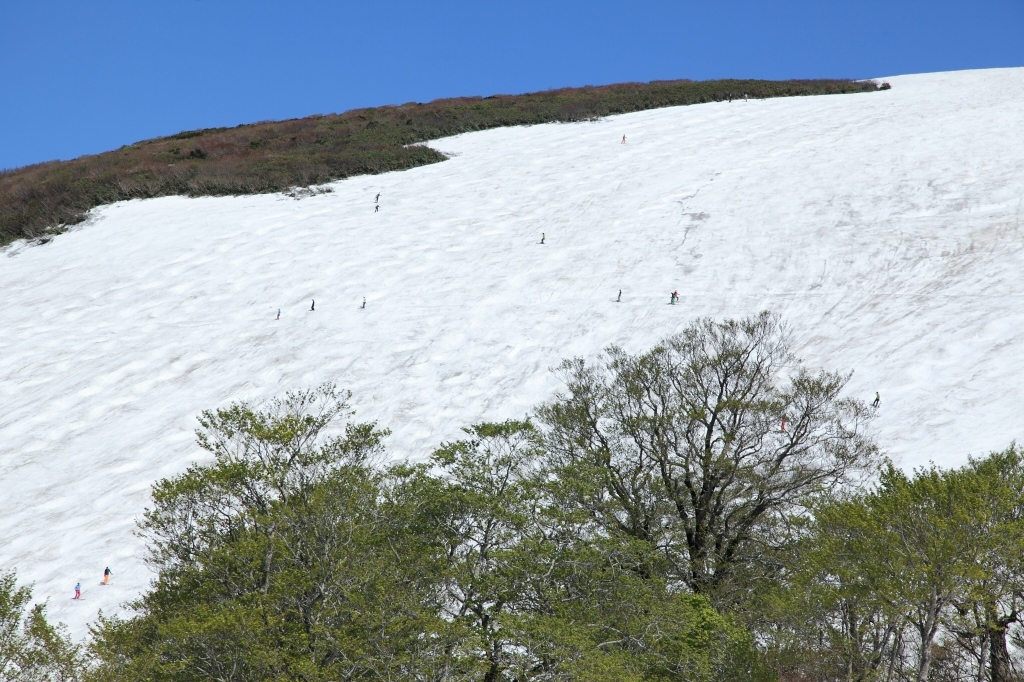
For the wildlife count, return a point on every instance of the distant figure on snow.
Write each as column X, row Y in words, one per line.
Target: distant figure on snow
column 730, row 98
column 542, row 237
column 106, row 576
column 744, row 97
column 619, row 299
column 623, row 139
column 674, row 297
column 877, row 400
column 78, row 591
column 364, row 303
column 313, row 306
column 278, row 314
column 376, row 208
column 376, row 199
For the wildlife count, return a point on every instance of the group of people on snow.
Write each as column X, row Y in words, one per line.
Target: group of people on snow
column 106, row 581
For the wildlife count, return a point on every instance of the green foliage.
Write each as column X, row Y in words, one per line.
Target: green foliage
column 293, row 556
column 922, row 569
column 273, row 157
column 31, row 649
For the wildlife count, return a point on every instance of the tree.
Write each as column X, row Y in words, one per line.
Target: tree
column 545, row 594
column 290, row 556
column 822, row 619
column 994, row 593
column 915, row 543
column 703, row 445
column 31, row 649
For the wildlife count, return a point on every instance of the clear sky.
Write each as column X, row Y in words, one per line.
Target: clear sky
column 83, row 77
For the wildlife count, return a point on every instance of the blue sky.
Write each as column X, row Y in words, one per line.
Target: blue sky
column 84, row 77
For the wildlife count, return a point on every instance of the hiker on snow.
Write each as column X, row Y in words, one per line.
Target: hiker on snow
column 878, row 399
column 106, row 575
column 78, row 591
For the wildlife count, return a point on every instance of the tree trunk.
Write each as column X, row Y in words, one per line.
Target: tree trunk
column 998, row 653
column 983, row 657
column 927, row 630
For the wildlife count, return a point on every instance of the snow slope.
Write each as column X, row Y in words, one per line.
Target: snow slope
column 886, row 227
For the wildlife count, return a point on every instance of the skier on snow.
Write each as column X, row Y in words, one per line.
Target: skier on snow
column 106, row 575
column 619, row 299
column 878, row 399
column 313, row 306
column 78, row 591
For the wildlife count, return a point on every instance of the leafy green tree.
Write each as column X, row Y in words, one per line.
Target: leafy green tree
column 294, row 556
column 994, row 590
column 835, row 623
column 287, row 557
column 31, row 649
column 546, row 594
column 913, row 548
column 705, row 444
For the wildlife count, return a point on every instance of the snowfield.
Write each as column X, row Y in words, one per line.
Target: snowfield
column 885, row 227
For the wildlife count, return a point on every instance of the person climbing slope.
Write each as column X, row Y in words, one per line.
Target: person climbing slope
column 106, row 576
column 312, row 307
column 542, row 237
column 619, row 299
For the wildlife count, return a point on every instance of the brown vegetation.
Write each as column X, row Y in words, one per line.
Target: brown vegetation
column 274, row 156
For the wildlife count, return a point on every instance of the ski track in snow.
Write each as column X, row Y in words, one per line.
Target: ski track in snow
column 885, row 227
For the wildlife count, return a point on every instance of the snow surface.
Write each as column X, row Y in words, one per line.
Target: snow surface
column 886, row 227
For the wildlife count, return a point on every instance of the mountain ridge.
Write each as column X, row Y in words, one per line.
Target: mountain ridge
column 274, row 156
